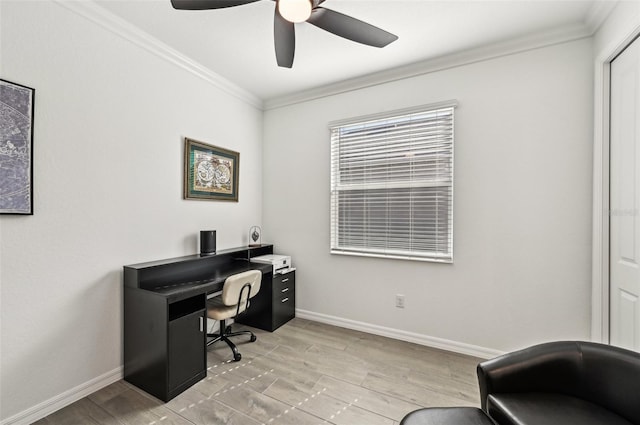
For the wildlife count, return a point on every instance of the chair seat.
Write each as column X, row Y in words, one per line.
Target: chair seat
column 447, row 416
column 548, row 408
column 217, row 310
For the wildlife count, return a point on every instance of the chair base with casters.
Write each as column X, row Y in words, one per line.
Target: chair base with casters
column 224, row 335
column 234, row 300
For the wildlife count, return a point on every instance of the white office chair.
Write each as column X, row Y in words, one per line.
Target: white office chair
column 237, row 291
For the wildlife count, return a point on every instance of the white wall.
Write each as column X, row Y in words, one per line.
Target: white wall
column 522, row 219
column 109, row 123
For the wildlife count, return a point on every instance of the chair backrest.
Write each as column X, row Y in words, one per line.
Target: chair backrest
column 232, row 288
column 602, row 374
column 611, row 378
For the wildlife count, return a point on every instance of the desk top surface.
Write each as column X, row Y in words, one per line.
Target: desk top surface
column 212, row 283
column 182, row 277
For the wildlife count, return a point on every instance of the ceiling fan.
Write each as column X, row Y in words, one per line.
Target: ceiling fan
column 288, row 12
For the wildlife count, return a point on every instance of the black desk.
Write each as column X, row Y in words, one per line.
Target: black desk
column 165, row 316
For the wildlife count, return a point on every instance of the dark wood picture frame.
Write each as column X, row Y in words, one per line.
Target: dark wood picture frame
column 210, row 172
column 16, row 148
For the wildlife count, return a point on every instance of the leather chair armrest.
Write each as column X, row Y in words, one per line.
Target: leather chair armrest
column 551, row 367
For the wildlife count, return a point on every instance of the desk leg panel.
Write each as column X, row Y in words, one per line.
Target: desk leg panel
column 145, row 341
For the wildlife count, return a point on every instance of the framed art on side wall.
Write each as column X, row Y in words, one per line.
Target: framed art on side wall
column 210, row 172
column 16, row 148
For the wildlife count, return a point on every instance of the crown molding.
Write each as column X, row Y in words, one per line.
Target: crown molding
column 99, row 15
column 598, row 13
column 111, row 22
column 466, row 57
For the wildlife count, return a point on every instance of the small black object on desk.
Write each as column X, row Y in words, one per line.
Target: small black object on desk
column 207, row 242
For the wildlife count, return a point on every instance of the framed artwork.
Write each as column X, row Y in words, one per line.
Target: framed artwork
column 16, row 148
column 210, row 172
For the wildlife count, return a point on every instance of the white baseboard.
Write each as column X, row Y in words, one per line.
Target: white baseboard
column 47, row 407
column 426, row 340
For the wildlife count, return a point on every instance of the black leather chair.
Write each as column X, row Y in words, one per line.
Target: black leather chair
column 564, row 382
column 558, row 383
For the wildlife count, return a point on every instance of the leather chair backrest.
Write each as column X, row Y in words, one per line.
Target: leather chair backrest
column 551, row 367
column 610, row 377
column 602, row 374
column 234, row 284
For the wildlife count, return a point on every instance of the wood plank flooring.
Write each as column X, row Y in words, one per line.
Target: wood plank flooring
column 305, row 373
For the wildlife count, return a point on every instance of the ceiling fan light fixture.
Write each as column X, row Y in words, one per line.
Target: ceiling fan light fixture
column 295, row 10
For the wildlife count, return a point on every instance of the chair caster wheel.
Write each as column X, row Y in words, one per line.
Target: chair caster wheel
column 253, row 338
column 237, row 357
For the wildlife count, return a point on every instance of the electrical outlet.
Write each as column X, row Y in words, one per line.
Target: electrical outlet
column 399, row 301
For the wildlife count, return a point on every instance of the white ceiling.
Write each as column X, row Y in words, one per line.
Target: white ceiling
column 237, row 43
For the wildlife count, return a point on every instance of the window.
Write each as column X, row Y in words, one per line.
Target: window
column 392, row 185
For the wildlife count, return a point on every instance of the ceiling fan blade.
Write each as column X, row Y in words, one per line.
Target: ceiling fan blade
column 207, row 4
column 284, row 37
column 350, row 28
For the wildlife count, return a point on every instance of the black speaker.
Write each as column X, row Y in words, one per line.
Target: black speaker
column 207, row 242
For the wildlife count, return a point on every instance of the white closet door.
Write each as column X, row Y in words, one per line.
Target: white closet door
column 625, row 199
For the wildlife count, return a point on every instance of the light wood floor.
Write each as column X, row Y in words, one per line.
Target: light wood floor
column 305, row 373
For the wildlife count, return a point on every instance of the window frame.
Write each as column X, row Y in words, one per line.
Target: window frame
column 368, row 251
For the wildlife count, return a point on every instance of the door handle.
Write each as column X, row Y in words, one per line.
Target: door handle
column 285, row 300
column 201, row 324
column 285, row 280
column 285, row 290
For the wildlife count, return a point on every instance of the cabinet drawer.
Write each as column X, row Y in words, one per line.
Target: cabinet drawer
column 282, row 291
column 284, row 308
column 283, row 283
column 285, row 297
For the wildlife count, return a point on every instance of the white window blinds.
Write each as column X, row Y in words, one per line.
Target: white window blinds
column 392, row 185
